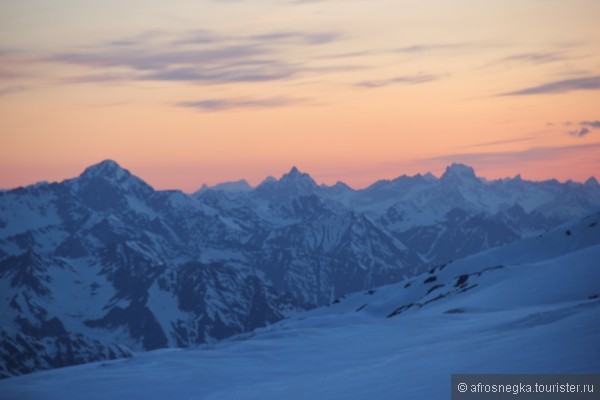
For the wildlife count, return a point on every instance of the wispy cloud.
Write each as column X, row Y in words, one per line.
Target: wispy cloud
column 197, row 36
column 424, row 48
column 593, row 124
column 224, row 104
column 579, row 132
column 534, row 57
column 203, row 37
column 506, row 141
column 299, row 2
column 256, row 71
column 448, row 48
column 531, row 156
column 585, row 127
column 5, row 91
column 199, row 56
column 309, row 38
column 135, row 40
column 420, row 49
column 14, row 66
column 97, row 78
column 562, row 86
column 405, row 79
column 157, row 60
column 227, row 73
column 9, row 75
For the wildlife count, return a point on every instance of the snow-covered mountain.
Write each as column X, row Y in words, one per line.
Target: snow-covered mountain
column 238, row 186
column 101, row 265
column 531, row 306
column 292, row 185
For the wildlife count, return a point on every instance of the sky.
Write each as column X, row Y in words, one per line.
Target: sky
column 184, row 93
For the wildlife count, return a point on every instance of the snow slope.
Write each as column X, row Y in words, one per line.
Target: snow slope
column 100, row 265
column 532, row 306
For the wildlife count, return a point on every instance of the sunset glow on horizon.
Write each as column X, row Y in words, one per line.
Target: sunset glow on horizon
column 184, row 93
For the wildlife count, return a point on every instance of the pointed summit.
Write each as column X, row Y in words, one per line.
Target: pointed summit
column 269, row 179
column 298, row 179
column 341, row 186
column 295, row 175
column 108, row 176
column 294, row 171
column 202, row 189
column 105, row 168
column 429, row 177
column 293, row 184
column 592, row 181
column 460, row 171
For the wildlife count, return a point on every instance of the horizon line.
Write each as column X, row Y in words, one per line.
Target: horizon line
column 291, row 169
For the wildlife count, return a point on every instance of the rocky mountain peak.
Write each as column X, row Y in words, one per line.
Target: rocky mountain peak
column 457, row 170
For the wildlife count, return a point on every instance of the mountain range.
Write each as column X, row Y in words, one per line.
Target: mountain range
column 529, row 307
column 102, row 266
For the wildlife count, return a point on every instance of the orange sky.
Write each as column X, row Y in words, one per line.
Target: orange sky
column 190, row 92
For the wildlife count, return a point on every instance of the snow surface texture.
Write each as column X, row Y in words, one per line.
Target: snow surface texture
column 103, row 265
column 532, row 306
